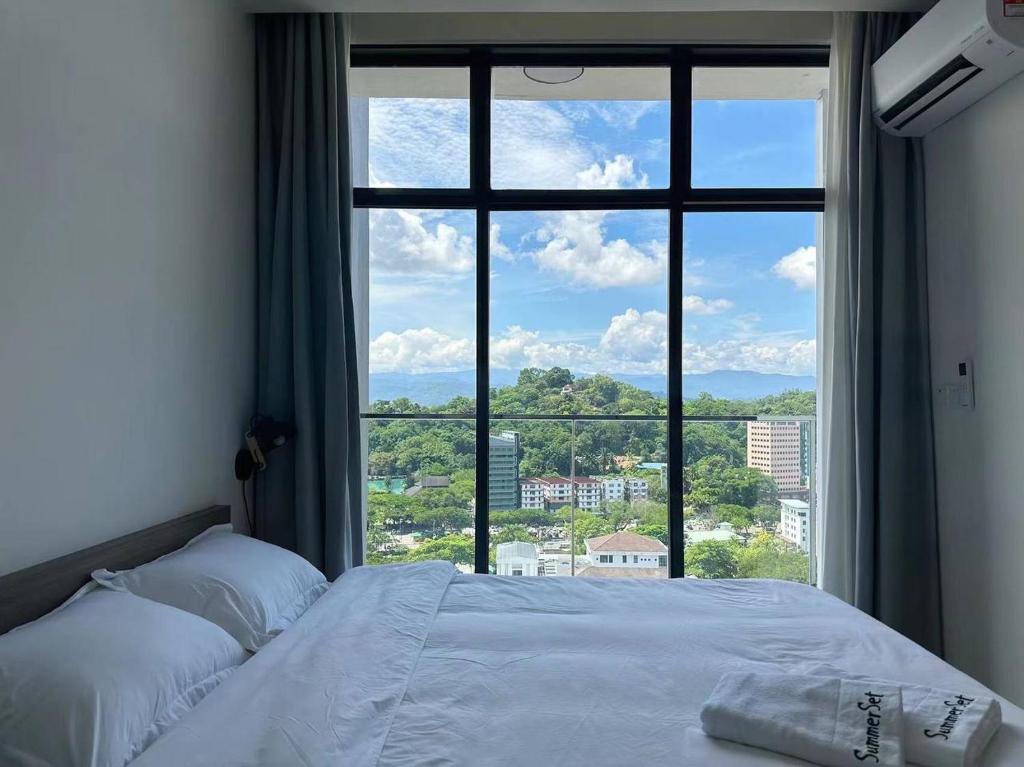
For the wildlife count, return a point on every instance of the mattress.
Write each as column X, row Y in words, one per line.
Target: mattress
column 418, row 664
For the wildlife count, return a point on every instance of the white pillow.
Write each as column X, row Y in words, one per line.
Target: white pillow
column 96, row 681
column 251, row 589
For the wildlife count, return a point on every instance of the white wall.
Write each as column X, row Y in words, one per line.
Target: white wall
column 975, row 170
column 126, row 265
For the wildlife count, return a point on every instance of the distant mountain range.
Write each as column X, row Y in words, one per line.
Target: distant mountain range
column 433, row 389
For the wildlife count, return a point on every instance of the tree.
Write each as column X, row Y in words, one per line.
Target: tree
column 448, row 518
column 456, row 548
column 653, row 531
column 767, row 517
column 512, row 533
column 556, row 378
column 382, row 549
column 768, row 557
column 739, row 517
column 589, row 526
column 712, row 559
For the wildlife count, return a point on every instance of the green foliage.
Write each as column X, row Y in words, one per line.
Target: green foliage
column 768, row 557
column 717, row 482
column 768, row 517
column 653, row 531
column 456, row 548
column 739, row 517
column 589, row 526
column 712, row 559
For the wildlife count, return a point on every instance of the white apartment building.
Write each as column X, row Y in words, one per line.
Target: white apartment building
column 614, row 488
column 516, row 558
column 531, row 494
column 588, row 493
column 773, row 447
column 793, row 523
column 636, row 489
column 555, row 492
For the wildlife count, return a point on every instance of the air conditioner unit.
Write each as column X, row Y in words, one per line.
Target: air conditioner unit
column 957, row 53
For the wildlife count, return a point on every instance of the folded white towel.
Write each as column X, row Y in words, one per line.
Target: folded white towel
column 829, row 721
column 947, row 729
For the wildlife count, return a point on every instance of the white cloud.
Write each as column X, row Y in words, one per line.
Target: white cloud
column 419, row 142
column 518, row 348
column 575, row 246
column 634, row 342
column 499, row 249
column 699, row 305
column 799, row 267
column 636, row 339
column 535, row 146
column 421, row 350
column 402, row 242
column 617, row 173
column 761, row 355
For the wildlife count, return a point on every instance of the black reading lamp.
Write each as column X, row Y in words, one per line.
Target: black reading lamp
column 264, row 435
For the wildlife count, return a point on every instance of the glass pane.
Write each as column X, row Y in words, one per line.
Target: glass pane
column 589, row 498
column 422, row 311
column 421, row 491
column 748, row 509
column 410, row 127
column 579, row 128
column 758, row 127
column 579, row 312
column 749, row 316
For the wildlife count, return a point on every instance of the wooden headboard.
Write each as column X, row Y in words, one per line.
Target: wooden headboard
column 31, row 593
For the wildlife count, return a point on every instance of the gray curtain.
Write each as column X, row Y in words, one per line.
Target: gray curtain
column 890, row 530
column 309, row 498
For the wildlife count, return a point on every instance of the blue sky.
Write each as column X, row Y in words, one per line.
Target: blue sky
column 588, row 290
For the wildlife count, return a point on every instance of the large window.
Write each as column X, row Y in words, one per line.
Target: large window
column 589, row 317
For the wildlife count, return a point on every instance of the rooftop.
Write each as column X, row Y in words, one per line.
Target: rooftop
column 626, row 541
column 622, row 572
column 557, row 481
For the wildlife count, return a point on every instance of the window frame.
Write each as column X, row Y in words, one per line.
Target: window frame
column 678, row 198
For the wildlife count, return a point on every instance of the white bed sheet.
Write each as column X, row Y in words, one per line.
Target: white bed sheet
column 420, row 665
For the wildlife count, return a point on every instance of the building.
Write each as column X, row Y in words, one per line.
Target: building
column 517, row 558
column 660, row 467
column 626, row 551
column 556, row 492
column 773, row 447
column 722, row 532
column 503, row 471
column 531, row 494
column 614, row 488
column 793, row 523
column 427, row 483
column 636, row 489
column 588, row 493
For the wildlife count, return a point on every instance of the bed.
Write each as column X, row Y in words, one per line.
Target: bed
column 419, row 664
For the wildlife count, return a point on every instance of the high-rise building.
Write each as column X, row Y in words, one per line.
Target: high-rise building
column 774, row 448
column 793, row 522
column 503, row 471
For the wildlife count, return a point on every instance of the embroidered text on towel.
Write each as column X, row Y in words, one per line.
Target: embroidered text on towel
column 873, row 707
column 956, row 710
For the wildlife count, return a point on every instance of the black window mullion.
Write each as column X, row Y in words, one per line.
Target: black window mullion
column 680, row 197
column 480, row 183
column 679, row 171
